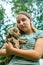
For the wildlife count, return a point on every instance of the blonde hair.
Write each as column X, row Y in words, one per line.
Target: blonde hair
column 33, row 27
column 32, row 24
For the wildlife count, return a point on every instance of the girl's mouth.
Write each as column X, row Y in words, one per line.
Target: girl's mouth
column 23, row 26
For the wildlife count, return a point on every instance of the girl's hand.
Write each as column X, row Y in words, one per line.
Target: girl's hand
column 9, row 48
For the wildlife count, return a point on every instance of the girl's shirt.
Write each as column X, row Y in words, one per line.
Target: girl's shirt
column 31, row 40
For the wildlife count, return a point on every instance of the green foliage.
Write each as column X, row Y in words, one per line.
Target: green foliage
column 2, row 11
column 34, row 7
column 20, row 5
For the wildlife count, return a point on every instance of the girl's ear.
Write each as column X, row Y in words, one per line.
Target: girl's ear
column 30, row 19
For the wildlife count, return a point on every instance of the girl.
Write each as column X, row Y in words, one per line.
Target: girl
column 32, row 51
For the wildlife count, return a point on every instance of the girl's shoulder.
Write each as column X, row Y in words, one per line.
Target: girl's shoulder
column 39, row 33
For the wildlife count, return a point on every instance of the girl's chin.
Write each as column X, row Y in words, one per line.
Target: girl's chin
column 24, row 30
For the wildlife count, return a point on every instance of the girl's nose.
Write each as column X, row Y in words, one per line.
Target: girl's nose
column 21, row 22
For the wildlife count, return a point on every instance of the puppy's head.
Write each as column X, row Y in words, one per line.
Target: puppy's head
column 14, row 32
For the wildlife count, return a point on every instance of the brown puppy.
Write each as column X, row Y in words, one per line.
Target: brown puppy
column 12, row 36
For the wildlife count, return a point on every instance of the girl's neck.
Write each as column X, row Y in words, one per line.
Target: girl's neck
column 29, row 31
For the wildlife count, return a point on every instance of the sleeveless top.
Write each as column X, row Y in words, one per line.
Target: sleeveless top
column 31, row 40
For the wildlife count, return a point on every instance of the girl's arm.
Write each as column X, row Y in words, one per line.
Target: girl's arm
column 35, row 54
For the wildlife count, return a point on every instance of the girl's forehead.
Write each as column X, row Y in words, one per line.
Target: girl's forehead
column 20, row 16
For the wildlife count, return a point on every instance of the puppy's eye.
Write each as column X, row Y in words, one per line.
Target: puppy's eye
column 15, row 30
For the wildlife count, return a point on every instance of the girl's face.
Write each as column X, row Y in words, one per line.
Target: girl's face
column 23, row 22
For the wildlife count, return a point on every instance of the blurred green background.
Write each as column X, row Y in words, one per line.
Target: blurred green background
column 34, row 7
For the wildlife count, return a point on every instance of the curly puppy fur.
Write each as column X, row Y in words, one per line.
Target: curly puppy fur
column 12, row 36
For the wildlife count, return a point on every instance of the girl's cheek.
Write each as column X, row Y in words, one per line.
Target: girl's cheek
column 25, row 23
column 18, row 25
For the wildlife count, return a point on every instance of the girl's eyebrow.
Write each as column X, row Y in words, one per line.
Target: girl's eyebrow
column 18, row 19
column 21, row 19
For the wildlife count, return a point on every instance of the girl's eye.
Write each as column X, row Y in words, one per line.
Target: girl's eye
column 18, row 22
column 23, row 19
